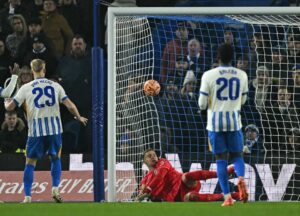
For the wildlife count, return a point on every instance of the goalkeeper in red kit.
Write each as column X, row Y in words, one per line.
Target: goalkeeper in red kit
column 164, row 183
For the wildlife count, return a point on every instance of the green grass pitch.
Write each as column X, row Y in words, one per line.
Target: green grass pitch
column 153, row 209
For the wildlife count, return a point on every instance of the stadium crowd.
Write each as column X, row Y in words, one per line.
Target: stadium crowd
column 53, row 31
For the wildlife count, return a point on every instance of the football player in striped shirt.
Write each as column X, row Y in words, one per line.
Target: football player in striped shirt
column 223, row 91
column 42, row 98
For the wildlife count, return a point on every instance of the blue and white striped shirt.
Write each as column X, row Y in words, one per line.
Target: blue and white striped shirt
column 223, row 91
column 42, row 98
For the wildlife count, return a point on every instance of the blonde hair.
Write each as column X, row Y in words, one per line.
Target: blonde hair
column 37, row 65
column 24, row 70
column 20, row 17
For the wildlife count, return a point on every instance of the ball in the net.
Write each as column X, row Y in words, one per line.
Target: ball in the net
column 151, row 87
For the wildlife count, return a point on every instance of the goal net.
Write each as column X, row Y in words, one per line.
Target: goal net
column 176, row 50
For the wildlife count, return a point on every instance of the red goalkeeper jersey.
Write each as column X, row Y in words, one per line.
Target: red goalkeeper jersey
column 163, row 181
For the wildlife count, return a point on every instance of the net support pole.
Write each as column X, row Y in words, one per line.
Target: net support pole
column 111, row 104
column 98, row 120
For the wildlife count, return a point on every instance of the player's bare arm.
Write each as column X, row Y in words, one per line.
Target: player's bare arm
column 73, row 109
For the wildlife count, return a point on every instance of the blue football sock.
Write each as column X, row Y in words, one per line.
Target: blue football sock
column 239, row 166
column 55, row 171
column 223, row 175
column 28, row 179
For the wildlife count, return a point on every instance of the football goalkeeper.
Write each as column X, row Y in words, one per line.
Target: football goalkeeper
column 164, row 183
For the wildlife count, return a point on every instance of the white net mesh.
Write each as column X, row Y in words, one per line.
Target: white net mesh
column 137, row 118
column 176, row 50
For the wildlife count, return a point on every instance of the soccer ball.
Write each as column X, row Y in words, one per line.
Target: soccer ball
column 151, row 87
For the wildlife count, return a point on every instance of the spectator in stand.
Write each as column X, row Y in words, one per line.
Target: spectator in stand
column 228, row 36
column 243, row 64
column 282, row 113
column 252, row 144
column 181, row 67
column 229, row 39
column 34, row 27
column 40, row 51
column 294, row 140
column 252, row 59
column 279, row 66
column 35, row 8
column 74, row 73
column 189, row 86
column 5, row 62
column 13, row 133
column 68, row 8
column 19, row 34
column 196, row 59
column 261, row 89
column 25, row 76
column 293, row 43
column 175, row 47
column 262, row 48
column 13, row 7
column 56, row 28
column 296, row 86
column 261, row 95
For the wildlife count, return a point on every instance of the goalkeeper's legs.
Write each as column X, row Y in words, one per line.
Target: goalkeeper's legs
column 203, row 174
column 199, row 175
column 28, row 178
column 191, row 179
column 197, row 197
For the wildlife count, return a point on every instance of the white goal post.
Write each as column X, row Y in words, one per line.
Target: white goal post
column 283, row 16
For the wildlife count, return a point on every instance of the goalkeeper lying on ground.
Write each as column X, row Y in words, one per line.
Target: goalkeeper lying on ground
column 164, row 183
